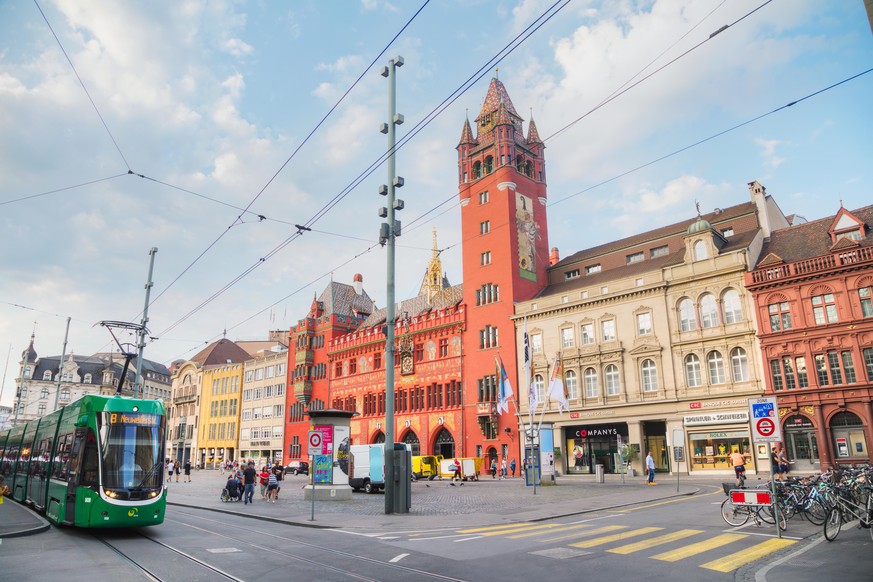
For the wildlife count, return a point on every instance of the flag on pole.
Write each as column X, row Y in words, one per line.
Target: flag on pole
column 504, row 388
column 532, row 389
column 556, row 386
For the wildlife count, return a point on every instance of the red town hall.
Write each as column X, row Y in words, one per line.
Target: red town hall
column 448, row 337
column 813, row 294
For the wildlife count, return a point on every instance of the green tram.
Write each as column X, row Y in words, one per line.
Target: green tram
column 98, row 462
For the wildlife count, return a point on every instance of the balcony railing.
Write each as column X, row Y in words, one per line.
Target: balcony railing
column 813, row 265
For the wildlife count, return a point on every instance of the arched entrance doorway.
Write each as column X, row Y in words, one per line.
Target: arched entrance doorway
column 444, row 444
column 491, row 456
column 801, row 442
column 847, row 432
column 411, row 439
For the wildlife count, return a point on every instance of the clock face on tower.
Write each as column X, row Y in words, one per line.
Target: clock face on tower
column 406, row 364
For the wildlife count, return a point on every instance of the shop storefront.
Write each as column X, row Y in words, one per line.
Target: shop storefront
column 589, row 445
column 714, row 436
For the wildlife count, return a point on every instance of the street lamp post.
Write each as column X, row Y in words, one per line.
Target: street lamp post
column 388, row 232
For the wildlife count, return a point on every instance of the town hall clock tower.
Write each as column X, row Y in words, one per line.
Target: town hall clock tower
column 502, row 189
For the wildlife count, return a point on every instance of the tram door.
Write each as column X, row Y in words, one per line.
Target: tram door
column 75, row 454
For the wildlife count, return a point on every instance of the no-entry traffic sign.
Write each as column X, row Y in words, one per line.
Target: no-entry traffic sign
column 314, row 442
column 764, row 414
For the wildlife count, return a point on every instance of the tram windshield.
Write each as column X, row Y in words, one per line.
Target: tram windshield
column 131, row 447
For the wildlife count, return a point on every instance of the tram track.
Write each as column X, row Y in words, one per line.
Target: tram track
column 151, row 574
column 400, row 571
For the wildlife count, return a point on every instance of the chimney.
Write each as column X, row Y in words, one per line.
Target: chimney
column 759, row 197
column 553, row 257
column 359, row 283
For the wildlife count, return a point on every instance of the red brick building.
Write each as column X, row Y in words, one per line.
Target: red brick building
column 813, row 292
column 502, row 189
column 448, row 337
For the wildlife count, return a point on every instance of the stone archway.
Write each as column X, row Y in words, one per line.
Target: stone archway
column 444, row 444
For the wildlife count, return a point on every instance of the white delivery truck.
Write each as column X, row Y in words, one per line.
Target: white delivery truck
column 367, row 467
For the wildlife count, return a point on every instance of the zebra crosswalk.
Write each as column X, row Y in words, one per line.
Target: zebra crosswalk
column 736, row 549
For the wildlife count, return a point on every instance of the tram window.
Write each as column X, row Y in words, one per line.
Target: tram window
column 60, row 468
column 90, row 470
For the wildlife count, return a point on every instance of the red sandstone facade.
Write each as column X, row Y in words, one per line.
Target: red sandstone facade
column 502, row 190
column 812, row 292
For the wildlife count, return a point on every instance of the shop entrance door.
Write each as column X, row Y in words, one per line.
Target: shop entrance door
column 658, row 446
column 803, row 450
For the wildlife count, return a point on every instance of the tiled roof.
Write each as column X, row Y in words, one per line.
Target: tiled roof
column 811, row 239
column 735, row 242
column 418, row 305
column 221, row 352
column 679, row 228
column 341, row 299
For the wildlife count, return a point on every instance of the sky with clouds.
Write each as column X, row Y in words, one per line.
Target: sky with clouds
column 210, row 129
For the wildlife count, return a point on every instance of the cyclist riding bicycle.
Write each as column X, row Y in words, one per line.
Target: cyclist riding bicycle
column 739, row 463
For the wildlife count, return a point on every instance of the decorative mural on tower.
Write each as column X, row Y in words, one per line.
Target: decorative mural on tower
column 528, row 233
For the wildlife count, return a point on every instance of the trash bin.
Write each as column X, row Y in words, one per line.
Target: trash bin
column 598, row 473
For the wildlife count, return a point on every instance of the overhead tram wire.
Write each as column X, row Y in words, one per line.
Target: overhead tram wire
column 711, row 137
column 82, row 83
column 621, row 92
column 56, row 190
column 787, row 105
column 508, row 49
column 438, row 110
column 294, row 153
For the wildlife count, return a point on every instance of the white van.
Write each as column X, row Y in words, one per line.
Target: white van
column 367, row 467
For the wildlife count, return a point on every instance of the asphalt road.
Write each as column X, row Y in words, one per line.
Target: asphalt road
column 680, row 539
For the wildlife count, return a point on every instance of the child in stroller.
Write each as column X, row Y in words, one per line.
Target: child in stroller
column 232, row 489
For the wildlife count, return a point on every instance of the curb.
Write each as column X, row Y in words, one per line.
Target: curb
column 531, row 519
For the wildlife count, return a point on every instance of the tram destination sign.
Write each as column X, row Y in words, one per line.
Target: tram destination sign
column 764, row 416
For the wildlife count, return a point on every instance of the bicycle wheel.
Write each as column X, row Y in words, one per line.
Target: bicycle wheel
column 816, row 512
column 765, row 514
column 833, row 523
column 735, row 515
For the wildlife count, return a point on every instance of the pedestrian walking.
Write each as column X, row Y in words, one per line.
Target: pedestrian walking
column 272, row 486
column 249, row 483
column 784, row 463
column 187, row 470
column 512, row 467
column 263, row 477
column 775, row 469
column 650, row 467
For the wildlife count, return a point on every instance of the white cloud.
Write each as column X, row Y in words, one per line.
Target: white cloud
column 237, row 47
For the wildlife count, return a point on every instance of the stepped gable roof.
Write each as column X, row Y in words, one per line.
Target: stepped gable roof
column 734, row 243
column 467, row 134
column 676, row 229
column 812, row 239
column 341, row 299
column 533, row 136
column 220, row 352
column 418, row 305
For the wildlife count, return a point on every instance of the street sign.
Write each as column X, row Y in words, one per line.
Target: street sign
column 314, row 442
column 764, row 416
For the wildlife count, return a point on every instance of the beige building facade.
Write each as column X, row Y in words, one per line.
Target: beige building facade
column 656, row 337
column 262, row 421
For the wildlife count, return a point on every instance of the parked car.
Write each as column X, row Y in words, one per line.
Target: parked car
column 297, row 467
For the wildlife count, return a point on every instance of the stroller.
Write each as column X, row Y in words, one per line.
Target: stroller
column 231, row 493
